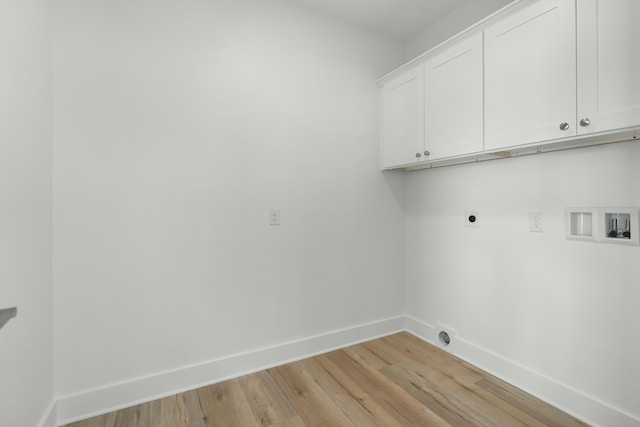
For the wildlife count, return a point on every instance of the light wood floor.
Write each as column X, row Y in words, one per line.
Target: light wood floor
column 394, row 381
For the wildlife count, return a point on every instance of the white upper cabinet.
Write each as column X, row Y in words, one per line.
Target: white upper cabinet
column 608, row 65
column 403, row 118
column 530, row 75
column 454, row 100
column 538, row 76
column 435, row 109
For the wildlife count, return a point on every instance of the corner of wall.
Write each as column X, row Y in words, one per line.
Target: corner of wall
column 95, row 402
column 464, row 16
column 50, row 416
column 562, row 396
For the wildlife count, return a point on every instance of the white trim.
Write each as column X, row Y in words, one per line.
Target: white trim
column 564, row 397
column 90, row 403
column 478, row 27
column 50, row 416
column 423, row 330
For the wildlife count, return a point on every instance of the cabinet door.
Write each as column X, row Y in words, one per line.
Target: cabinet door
column 403, row 118
column 454, row 100
column 608, row 64
column 530, row 75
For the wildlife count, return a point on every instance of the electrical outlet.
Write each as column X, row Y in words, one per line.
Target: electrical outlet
column 472, row 219
column 274, row 216
column 536, row 222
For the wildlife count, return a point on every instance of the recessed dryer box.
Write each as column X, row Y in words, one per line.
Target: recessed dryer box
column 582, row 224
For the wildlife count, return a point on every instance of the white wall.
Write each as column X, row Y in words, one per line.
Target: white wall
column 177, row 126
column 26, row 361
column 565, row 311
column 558, row 318
column 465, row 15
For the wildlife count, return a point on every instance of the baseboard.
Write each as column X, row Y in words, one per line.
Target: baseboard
column 50, row 417
column 562, row 396
column 94, row 402
column 102, row 400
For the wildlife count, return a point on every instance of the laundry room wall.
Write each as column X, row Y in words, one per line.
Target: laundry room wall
column 556, row 317
column 177, row 127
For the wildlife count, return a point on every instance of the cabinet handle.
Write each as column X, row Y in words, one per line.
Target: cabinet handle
column 585, row 122
column 426, row 153
column 564, row 126
column 418, row 155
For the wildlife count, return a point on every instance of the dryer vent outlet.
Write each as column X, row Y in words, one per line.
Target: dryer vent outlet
column 445, row 339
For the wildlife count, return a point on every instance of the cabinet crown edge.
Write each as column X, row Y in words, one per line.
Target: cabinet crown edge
column 467, row 32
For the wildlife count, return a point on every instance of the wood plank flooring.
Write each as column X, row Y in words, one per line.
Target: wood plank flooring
column 398, row 380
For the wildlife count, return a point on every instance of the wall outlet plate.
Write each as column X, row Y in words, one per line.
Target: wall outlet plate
column 472, row 219
column 274, row 216
column 536, row 222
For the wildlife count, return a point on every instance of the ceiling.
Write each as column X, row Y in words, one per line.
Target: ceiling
column 398, row 19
